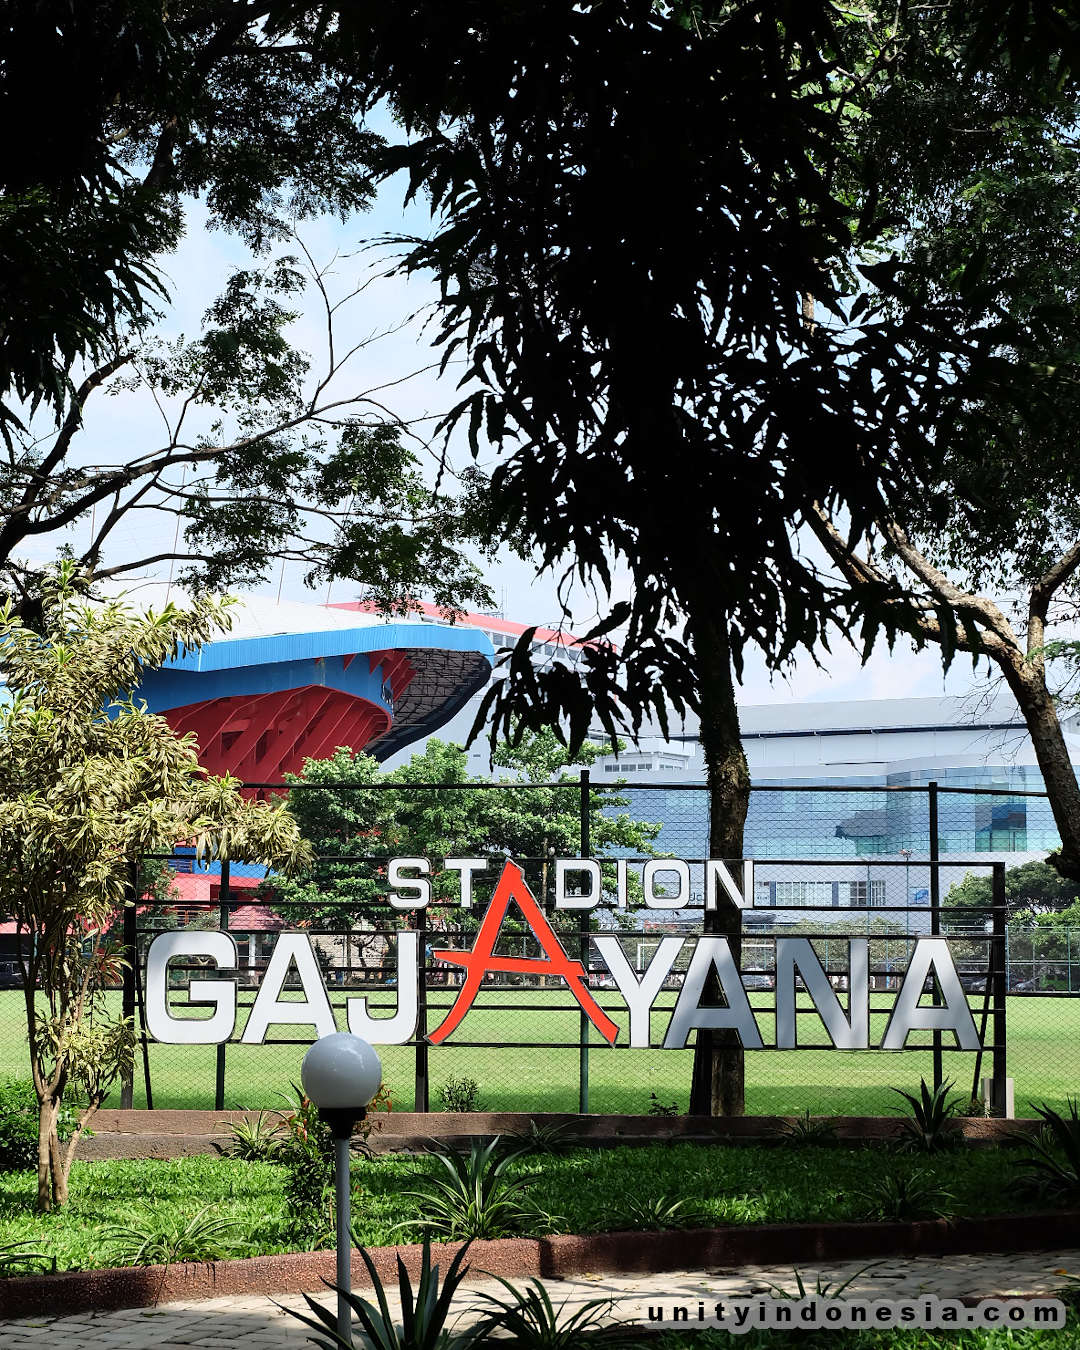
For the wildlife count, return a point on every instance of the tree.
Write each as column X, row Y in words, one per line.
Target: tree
column 256, row 460
column 1032, row 889
column 358, row 829
column 158, row 105
column 652, row 244
column 984, row 556
column 89, row 782
column 264, row 455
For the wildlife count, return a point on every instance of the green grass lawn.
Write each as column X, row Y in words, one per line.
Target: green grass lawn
column 579, row 1191
column 1043, row 1057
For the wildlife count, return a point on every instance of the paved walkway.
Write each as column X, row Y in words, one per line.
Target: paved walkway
column 257, row 1324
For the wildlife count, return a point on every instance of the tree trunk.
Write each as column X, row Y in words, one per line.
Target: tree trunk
column 56, row 1165
column 1028, row 684
column 48, row 1154
column 717, row 1084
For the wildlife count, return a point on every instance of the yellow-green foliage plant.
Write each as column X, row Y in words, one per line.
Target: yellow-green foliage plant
column 90, row 781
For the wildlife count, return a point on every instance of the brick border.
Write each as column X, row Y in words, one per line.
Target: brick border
column 552, row 1257
column 165, row 1134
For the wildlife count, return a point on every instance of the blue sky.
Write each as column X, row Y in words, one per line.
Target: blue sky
column 129, row 423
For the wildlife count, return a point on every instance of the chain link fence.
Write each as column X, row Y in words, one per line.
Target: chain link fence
column 831, row 863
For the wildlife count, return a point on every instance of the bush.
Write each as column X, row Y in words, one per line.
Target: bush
column 658, row 1108
column 460, row 1094
column 473, row 1197
column 19, row 1125
column 1053, row 1167
column 308, row 1152
column 926, row 1128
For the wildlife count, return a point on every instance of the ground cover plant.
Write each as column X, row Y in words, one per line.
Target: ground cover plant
column 580, row 1190
column 1043, row 1040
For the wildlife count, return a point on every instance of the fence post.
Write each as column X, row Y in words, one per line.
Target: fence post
column 583, row 931
column 223, row 924
column 935, row 912
column 131, row 956
column 421, row 1089
column 1000, row 990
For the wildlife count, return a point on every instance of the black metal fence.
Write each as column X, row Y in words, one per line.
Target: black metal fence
column 527, row 1045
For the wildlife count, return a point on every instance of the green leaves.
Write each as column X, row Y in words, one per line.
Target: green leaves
column 357, row 828
column 1053, row 1164
column 89, row 781
column 424, row 1311
column 472, row 1197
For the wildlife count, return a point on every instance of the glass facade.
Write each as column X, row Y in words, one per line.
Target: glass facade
column 835, row 822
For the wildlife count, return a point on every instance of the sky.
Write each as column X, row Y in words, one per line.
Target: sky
column 129, row 422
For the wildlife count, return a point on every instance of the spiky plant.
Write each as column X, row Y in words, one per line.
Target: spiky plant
column 1053, row 1164
column 905, row 1195
column 471, row 1196
column 424, row 1311
column 806, row 1131
column 530, row 1321
column 925, row 1129
column 657, row 1213
column 202, row 1238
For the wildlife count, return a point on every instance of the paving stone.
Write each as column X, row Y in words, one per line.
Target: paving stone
column 256, row 1323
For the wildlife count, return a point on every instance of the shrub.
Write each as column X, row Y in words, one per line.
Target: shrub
column 308, row 1153
column 1053, row 1165
column 423, row 1311
column 19, row 1125
column 657, row 1108
column 926, row 1130
column 460, row 1094
column 473, row 1197
column 905, row 1195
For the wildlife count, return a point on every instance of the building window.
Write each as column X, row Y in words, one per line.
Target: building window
column 185, row 914
column 861, row 893
column 800, row 893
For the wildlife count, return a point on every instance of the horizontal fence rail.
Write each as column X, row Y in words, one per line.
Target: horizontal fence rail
column 831, row 862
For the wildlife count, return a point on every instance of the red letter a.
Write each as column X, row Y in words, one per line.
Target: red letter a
column 482, row 958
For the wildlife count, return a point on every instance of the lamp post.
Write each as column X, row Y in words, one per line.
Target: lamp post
column 341, row 1073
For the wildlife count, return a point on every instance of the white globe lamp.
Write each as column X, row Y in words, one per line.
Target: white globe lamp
column 341, row 1074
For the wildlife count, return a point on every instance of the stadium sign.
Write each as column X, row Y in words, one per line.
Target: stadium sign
column 294, row 958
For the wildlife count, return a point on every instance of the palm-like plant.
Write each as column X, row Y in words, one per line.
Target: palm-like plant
column 1054, row 1164
column 202, row 1238
column 472, row 1197
column 905, row 1195
column 261, row 1140
column 423, row 1311
column 531, row 1321
column 657, row 1213
column 15, row 1254
column 806, row 1130
column 926, row 1130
